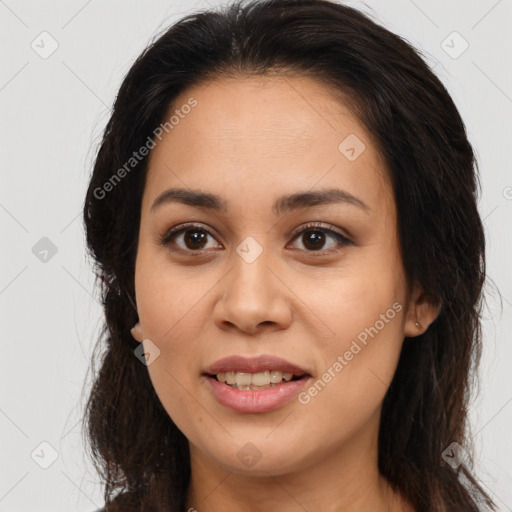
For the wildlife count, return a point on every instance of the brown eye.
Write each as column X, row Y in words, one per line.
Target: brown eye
column 189, row 238
column 314, row 239
column 194, row 238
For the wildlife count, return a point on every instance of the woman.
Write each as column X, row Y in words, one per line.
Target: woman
column 283, row 217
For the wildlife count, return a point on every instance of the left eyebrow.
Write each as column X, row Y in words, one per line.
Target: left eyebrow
column 299, row 200
column 284, row 204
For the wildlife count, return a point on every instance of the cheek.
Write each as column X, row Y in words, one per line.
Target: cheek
column 172, row 311
column 364, row 309
column 359, row 364
column 361, row 296
column 168, row 296
column 367, row 337
column 165, row 318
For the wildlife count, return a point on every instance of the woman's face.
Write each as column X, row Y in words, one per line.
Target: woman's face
column 249, row 278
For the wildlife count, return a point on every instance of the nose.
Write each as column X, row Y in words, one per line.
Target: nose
column 254, row 298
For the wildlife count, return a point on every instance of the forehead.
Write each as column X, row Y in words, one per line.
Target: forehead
column 250, row 135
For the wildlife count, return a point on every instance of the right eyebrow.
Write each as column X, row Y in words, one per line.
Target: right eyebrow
column 195, row 198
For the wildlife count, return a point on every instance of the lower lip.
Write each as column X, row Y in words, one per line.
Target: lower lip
column 263, row 400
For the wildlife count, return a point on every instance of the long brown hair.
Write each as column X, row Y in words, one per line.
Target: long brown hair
column 134, row 444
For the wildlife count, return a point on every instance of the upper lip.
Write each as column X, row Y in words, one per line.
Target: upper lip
column 254, row 365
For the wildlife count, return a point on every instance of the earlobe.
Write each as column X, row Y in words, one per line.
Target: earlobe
column 421, row 313
column 137, row 332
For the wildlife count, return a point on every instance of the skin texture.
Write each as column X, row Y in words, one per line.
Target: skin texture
column 251, row 140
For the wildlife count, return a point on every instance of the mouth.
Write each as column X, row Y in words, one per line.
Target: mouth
column 256, row 381
column 256, row 392
column 255, row 373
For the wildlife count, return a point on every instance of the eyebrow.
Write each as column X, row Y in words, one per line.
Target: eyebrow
column 284, row 204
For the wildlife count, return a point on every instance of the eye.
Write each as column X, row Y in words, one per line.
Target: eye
column 193, row 236
column 314, row 237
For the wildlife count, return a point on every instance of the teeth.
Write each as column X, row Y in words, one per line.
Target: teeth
column 244, row 380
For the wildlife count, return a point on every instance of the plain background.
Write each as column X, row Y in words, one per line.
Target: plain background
column 53, row 111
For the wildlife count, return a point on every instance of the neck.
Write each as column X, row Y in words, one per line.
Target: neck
column 344, row 479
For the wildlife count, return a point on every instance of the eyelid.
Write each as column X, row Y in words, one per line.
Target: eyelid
column 323, row 226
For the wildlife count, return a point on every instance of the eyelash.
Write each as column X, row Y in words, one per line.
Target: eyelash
column 167, row 237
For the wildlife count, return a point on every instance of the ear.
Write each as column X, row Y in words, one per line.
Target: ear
column 420, row 313
column 137, row 332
